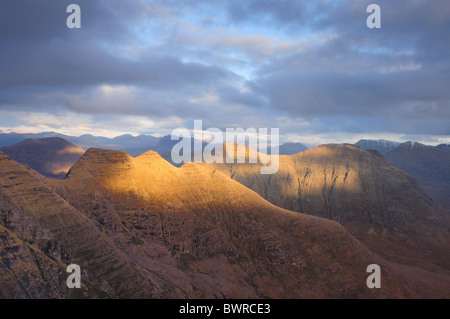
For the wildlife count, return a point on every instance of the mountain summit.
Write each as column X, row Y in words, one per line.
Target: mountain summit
column 51, row 156
column 382, row 146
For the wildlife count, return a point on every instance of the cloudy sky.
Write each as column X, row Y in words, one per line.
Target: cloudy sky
column 311, row 68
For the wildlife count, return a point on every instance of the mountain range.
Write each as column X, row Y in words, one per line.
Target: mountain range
column 53, row 156
column 133, row 145
column 140, row 227
column 382, row 146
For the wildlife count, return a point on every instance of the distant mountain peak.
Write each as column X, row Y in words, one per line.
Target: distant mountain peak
column 381, row 145
column 443, row 147
column 50, row 156
column 291, row 148
column 411, row 145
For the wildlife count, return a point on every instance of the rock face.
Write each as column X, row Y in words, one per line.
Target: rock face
column 37, row 218
column 140, row 227
column 25, row 272
column 380, row 205
column 382, row 146
column 52, row 157
column 430, row 165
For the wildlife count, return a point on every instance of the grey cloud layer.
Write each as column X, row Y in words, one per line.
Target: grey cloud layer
column 251, row 62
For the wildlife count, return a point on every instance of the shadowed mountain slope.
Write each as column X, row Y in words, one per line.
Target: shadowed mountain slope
column 25, row 272
column 291, row 148
column 444, row 147
column 52, row 157
column 430, row 165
